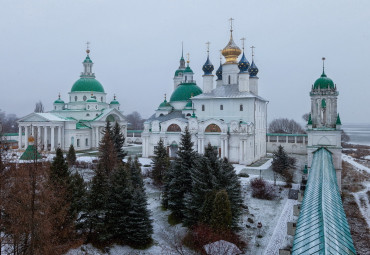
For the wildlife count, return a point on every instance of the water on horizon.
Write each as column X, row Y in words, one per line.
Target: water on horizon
column 358, row 133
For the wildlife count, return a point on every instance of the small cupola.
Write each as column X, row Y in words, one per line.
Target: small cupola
column 59, row 104
column 114, row 103
column 92, row 103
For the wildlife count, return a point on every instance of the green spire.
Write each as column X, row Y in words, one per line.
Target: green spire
column 30, row 153
column 309, row 120
column 338, row 120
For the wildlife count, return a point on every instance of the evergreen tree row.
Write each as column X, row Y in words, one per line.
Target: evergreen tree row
column 200, row 188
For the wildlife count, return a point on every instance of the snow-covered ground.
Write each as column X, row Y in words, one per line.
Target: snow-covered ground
column 351, row 160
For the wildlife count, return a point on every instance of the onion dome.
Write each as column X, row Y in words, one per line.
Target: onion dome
column 324, row 82
column 208, row 67
column 185, row 91
column 59, row 101
column 231, row 52
column 188, row 69
column 87, row 82
column 243, row 64
column 114, row 101
column 253, row 70
column 219, row 72
column 164, row 104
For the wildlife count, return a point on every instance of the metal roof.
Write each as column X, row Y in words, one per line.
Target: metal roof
column 322, row 226
column 227, row 91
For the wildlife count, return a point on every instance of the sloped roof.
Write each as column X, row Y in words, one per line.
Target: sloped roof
column 227, row 91
column 170, row 116
column 322, row 226
column 30, row 153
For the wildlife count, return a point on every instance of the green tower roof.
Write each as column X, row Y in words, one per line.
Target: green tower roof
column 164, row 104
column 188, row 69
column 185, row 91
column 324, row 82
column 30, row 153
column 87, row 84
column 114, row 101
column 309, row 120
column 338, row 120
column 59, row 101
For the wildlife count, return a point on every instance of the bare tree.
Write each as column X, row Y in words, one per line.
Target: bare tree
column 39, row 107
column 135, row 121
column 173, row 238
column 285, row 126
column 306, row 116
column 9, row 122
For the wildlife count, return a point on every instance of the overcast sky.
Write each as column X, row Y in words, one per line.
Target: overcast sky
column 136, row 46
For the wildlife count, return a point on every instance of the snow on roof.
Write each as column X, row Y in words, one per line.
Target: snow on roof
column 227, row 91
column 222, row 247
column 50, row 116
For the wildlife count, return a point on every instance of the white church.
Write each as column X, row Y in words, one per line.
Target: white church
column 79, row 122
column 228, row 113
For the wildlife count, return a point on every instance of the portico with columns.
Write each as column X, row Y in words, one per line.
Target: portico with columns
column 79, row 122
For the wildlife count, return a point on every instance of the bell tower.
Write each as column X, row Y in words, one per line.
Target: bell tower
column 324, row 125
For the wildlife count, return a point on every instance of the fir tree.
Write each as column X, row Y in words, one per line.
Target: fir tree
column 139, row 226
column 71, row 156
column 161, row 163
column 282, row 164
column 207, row 207
column 59, row 172
column 180, row 183
column 118, row 205
column 77, row 188
column 107, row 153
column 221, row 212
column 118, row 141
column 134, row 170
column 96, row 205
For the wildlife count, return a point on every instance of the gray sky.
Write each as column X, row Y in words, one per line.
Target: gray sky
column 136, row 46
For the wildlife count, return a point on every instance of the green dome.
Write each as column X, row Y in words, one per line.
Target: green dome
column 59, row 101
column 91, row 100
column 87, row 84
column 188, row 70
column 114, row 102
column 178, row 71
column 164, row 104
column 185, row 91
column 324, row 82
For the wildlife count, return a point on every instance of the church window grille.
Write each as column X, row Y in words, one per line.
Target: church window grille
column 78, row 142
column 75, row 98
column 173, row 128
column 221, row 107
column 241, row 108
column 84, row 98
column 203, row 107
column 213, row 128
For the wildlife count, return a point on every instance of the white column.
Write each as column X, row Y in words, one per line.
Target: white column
column 38, row 137
column 226, row 148
column 25, row 137
column 20, row 137
column 245, row 150
column 222, row 148
column 97, row 137
column 45, row 138
column 52, row 139
column 60, row 137
column 240, row 151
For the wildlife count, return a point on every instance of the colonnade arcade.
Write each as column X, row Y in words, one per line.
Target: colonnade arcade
column 48, row 136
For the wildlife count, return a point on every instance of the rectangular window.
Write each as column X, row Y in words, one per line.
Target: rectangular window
column 78, row 142
column 221, row 107
column 241, row 107
column 86, row 142
column 203, row 107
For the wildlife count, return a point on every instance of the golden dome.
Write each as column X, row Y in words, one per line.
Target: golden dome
column 231, row 52
column 31, row 139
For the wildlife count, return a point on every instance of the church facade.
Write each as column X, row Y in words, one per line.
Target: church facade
column 228, row 113
column 79, row 122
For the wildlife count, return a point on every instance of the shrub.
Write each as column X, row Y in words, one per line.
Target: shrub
column 262, row 190
column 245, row 175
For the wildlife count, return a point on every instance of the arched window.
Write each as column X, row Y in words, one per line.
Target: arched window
column 111, row 118
column 86, row 142
column 173, row 128
column 188, row 114
column 75, row 98
column 87, row 114
column 55, row 107
column 229, row 79
column 84, row 98
column 241, row 108
column 96, row 107
column 101, row 99
column 221, row 107
column 88, row 107
column 203, row 107
column 213, row 128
